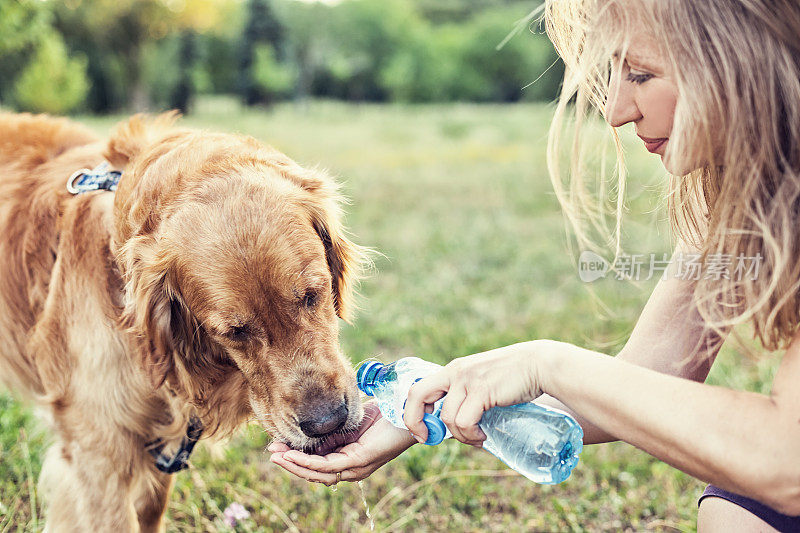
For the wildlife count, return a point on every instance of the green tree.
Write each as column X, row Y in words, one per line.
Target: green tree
column 262, row 28
column 269, row 75
column 52, row 82
column 113, row 34
column 183, row 93
column 369, row 34
column 461, row 61
column 116, row 35
column 433, row 69
column 444, row 11
column 523, row 60
column 309, row 45
column 22, row 25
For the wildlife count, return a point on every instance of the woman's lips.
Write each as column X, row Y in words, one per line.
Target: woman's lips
column 653, row 145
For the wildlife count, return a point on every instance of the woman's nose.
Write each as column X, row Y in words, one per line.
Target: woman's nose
column 621, row 107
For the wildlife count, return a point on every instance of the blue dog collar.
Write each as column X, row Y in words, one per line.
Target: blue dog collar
column 101, row 178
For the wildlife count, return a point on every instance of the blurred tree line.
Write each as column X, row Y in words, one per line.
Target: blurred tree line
column 107, row 55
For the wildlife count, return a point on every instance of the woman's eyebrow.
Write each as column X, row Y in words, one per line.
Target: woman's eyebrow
column 635, row 60
column 644, row 65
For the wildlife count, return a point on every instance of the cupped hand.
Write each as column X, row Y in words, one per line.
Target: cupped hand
column 378, row 443
column 472, row 385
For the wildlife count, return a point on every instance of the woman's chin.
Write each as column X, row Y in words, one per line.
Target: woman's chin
column 677, row 166
column 672, row 166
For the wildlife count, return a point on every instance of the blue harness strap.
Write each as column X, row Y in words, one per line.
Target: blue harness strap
column 101, row 178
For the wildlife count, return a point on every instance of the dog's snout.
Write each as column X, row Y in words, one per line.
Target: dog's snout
column 324, row 420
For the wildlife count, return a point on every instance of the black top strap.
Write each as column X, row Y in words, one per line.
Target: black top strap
column 180, row 460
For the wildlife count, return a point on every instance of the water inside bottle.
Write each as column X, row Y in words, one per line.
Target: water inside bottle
column 547, row 458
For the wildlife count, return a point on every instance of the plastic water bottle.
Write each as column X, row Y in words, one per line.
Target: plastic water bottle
column 539, row 442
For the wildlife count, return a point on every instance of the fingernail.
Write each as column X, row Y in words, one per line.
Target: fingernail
column 419, row 439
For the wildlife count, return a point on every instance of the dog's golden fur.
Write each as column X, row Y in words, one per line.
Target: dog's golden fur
column 208, row 285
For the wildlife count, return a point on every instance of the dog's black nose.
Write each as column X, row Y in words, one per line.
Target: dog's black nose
column 324, row 421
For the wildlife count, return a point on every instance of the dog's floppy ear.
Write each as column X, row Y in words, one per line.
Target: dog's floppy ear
column 132, row 136
column 151, row 315
column 156, row 315
column 346, row 260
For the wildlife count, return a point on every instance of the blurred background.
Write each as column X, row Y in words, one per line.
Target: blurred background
column 102, row 56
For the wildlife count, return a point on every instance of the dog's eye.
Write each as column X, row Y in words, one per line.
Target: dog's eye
column 238, row 333
column 310, row 299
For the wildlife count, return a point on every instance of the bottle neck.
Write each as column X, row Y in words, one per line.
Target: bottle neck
column 369, row 375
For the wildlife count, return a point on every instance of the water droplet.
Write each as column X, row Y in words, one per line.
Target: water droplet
column 366, row 506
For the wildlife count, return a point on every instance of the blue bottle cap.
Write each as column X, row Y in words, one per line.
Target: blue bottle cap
column 436, row 429
column 365, row 376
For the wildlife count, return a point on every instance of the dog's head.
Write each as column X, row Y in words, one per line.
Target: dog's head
column 236, row 268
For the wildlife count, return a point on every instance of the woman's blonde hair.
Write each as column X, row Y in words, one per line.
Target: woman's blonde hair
column 737, row 68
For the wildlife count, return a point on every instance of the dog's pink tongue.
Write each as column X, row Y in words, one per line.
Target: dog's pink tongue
column 334, row 442
column 337, row 440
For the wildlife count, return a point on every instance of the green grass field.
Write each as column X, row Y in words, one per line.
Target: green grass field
column 458, row 200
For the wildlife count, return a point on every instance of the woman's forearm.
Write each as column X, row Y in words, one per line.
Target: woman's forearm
column 657, row 355
column 741, row 441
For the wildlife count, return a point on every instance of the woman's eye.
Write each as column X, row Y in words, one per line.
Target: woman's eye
column 638, row 78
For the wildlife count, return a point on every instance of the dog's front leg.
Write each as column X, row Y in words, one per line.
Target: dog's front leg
column 151, row 500
column 87, row 490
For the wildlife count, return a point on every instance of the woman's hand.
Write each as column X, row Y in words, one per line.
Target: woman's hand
column 474, row 384
column 378, row 443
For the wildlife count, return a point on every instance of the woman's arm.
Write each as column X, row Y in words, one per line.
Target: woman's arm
column 743, row 442
column 668, row 330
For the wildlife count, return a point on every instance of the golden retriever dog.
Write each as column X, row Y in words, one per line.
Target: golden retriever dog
column 202, row 293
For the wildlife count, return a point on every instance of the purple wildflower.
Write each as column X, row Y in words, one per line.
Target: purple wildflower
column 234, row 513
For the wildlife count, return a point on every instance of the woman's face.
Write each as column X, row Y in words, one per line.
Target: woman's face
column 643, row 91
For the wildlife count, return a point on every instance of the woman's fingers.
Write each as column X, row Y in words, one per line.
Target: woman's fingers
column 422, row 393
column 305, row 473
column 450, row 407
column 466, row 421
column 333, row 462
column 313, row 475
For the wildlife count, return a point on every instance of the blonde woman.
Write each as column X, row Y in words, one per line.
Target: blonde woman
column 713, row 88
